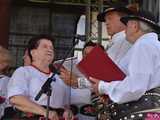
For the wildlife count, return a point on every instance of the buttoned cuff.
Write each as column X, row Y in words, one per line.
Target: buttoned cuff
column 83, row 83
column 102, row 87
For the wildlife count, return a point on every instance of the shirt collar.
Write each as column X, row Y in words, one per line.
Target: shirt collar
column 149, row 36
column 1, row 76
column 118, row 36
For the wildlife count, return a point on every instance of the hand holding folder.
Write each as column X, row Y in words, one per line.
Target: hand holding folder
column 70, row 65
column 98, row 64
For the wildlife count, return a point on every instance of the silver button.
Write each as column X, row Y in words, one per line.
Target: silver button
column 132, row 116
column 146, row 99
column 125, row 118
column 140, row 115
column 112, row 106
column 115, row 113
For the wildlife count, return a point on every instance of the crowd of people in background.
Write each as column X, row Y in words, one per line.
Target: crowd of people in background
column 135, row 50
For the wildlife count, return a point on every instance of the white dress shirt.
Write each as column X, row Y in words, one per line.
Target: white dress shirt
column 142, row 68
column 119, row 47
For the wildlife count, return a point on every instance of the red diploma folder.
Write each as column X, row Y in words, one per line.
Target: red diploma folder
column 98, row 64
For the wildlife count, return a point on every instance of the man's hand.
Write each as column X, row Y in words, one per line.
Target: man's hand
column 95, row 83
column 68, row 77
column 53, row 115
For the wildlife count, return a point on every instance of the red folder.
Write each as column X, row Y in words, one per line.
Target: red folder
column 98, row 64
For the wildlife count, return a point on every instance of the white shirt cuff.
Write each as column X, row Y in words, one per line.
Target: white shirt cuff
column 83, row 83
column 102, row 87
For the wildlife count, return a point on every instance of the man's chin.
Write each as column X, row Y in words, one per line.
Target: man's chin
column 48, row 60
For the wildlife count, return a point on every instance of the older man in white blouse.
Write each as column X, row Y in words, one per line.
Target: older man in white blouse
column 137, row 96
column 116, row 29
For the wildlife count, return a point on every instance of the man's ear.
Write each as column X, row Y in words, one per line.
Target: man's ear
column 32, row 52
column 3, row 65
column 136, row 26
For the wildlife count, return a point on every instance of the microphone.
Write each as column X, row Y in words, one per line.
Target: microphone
column 45, row 87
column 80, row 37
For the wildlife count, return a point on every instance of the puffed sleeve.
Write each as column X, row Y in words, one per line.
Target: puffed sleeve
column 18, row 84
column 140, row 69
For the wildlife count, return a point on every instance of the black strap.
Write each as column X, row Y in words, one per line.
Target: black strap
column 149, row 100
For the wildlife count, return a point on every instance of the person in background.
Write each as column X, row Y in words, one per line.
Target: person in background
column 77, row 81
column 26, row 82
column 137, row 96
column 5, row 65
column 26, row 58
column 87, row 48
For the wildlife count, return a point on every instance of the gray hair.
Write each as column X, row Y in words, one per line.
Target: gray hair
column 145, row 27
